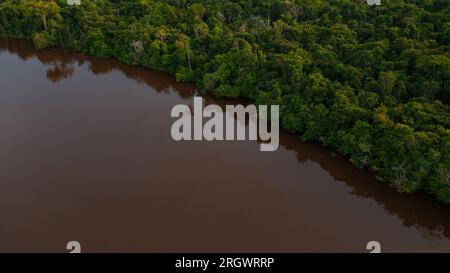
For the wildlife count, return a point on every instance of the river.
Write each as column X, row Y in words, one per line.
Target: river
column 86, row 154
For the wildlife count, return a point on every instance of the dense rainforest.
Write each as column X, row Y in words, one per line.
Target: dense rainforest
column 373, row 82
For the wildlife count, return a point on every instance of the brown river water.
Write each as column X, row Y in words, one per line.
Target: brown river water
column 86, row 154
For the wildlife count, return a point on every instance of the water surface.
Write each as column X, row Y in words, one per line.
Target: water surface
column 86, row 155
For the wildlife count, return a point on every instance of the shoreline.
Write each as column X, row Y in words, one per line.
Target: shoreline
column 210, row 93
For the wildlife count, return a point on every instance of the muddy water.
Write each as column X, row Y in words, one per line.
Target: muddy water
column 86, row 155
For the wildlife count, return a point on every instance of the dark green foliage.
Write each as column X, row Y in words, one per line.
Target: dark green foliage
column 373, row 82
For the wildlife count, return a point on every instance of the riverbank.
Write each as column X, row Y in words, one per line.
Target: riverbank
column 372, row 112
